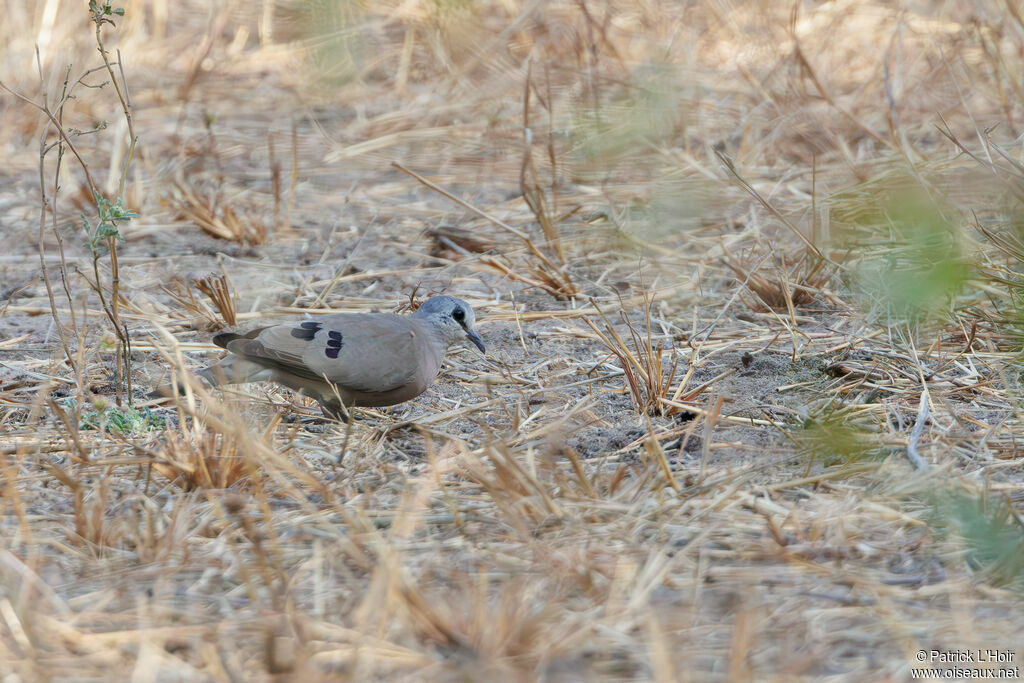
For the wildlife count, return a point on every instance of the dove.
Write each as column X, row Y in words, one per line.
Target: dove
column 347, row 359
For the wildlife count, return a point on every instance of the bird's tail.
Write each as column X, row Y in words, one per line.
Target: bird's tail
column 222, row 339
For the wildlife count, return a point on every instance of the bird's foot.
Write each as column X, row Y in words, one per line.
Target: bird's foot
column 336, row 413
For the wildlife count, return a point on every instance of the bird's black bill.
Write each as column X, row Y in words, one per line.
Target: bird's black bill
column 475, row 338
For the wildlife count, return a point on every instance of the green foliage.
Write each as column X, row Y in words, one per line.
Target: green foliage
column 990, row 531
column 115, row 420
column 674, row 202
column 106, row 227
column 914, row 264
column 837, row 438
column 447, row 9
column 651, row 114
column 335, row 44
column 102, row 11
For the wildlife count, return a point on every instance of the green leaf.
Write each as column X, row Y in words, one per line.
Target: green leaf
column 123, row 421
column 105, row 230
column 990, row 533
column 113, row 212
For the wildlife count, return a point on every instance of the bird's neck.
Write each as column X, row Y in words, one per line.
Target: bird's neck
column 431, row 355
column 441, row 334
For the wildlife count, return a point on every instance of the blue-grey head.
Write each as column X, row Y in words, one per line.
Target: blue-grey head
column 452, row 317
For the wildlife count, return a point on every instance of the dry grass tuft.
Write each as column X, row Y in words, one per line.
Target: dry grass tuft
column 647, row 377
column 455, row 244
column 216, row 218
column 203, row 317
column 544, row 276
column 218, row 289
column 206, row 461
column 789, row 287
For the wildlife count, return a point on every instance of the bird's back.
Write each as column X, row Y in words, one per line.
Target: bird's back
column 364, row 354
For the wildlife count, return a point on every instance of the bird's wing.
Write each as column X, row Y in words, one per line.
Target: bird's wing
column 363, row 352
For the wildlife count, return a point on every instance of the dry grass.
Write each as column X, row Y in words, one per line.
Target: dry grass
column 218, row 289
column 222, row 222
column 787, row 449
column 643, row 364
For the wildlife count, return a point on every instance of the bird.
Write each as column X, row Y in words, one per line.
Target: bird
column 347, row 359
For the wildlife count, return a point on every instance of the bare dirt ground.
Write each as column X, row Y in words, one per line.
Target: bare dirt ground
column 749, row 278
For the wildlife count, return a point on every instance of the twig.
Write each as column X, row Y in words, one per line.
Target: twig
column 922, row 413
column 913, row 454
column 731, row 167
column 559, row 274
column 479, row 212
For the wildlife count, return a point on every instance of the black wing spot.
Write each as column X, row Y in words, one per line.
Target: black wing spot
column 334, row 343
column 307, row 330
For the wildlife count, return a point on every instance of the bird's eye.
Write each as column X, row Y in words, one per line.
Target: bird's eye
column 459, row 315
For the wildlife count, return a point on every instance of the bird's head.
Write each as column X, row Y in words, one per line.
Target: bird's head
column 453, row 317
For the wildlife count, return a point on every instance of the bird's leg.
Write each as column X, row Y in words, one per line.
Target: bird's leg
column 335, row 411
